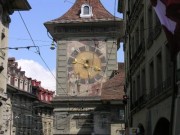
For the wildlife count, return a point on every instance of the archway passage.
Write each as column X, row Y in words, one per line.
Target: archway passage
column 162, row 127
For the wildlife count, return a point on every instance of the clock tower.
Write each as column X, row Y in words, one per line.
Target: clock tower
column 87, row 38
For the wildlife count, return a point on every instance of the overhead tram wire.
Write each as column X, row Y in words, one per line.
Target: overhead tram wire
column 38, row 51
column 44, row 60
column 38, row 40
column 112, row 45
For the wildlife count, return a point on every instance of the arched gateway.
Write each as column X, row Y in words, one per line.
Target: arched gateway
column 162, row 127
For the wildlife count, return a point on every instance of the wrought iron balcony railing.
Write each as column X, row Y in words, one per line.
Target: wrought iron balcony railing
column 160, row 89
column 139, row 103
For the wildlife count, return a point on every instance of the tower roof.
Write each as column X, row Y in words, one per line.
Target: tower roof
column 81, row 15
column 73, row 14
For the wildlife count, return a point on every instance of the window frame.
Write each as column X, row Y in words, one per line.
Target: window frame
column 83, row 15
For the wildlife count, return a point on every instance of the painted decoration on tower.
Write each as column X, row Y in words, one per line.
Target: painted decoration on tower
column 86, row 67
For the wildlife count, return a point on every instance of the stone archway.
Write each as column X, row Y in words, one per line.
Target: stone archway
column 162, row 127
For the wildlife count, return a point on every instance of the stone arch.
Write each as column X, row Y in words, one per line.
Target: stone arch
column 162, row 127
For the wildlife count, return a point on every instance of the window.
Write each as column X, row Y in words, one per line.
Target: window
column 9, row 79
column 159, row 69
column 132, row 47
column 133, row 91
column 178, row 61
column 86, row 11
column 131, row 5
column 150, row 18
column 46, row 97
column 150, row 27
column 137, row 39
column 142, row 29
column 42, row 97
column 151, row 75
column 143, row 81
column 121, row 114
column 138, row 86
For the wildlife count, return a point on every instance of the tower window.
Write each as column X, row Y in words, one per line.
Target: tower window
column 86, row 11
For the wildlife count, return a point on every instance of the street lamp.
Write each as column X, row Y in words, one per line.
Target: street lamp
column 52, row 45
column 53, row 40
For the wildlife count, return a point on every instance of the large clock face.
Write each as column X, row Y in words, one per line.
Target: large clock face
column 88, row 63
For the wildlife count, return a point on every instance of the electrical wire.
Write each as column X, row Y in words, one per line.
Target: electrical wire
column 22, row 39
column 38, row 51
column 68, row 1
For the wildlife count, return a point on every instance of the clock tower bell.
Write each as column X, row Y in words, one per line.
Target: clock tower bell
column 87, row 37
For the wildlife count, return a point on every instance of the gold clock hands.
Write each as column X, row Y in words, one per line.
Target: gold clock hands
column 77, row 62
column 97, row 68
column 85, row 64
column 89, row 74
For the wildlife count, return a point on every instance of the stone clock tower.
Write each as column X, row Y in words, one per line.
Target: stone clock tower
column 87, row 37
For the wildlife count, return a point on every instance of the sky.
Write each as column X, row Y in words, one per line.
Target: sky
column 27, row 29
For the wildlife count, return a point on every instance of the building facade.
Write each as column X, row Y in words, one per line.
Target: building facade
column 87, row 38
column 43, row 108
column 103, row 115
column 150, row 72
column 6, row 8
column 28, row 113
column 112, row 100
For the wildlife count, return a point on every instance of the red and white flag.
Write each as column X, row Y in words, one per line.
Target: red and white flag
column 168, row 12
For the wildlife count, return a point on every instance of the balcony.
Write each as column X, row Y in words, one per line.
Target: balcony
column 139, row 103
column 160, row 92
column 155, row 95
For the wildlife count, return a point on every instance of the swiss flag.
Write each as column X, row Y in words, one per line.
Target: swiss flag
column 168, row 12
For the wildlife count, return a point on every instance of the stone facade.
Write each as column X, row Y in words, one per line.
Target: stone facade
column 103, row 115
column 6, row 8
column 149, row 70
column 29, row 110
column 43, row 108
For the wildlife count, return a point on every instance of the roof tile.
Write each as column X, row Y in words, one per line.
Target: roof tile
column 73, row 14
column 113, row 89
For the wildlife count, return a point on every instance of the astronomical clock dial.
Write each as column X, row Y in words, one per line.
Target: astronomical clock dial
column 88, row 63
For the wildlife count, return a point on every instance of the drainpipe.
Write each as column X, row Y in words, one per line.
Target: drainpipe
column 174, row 94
